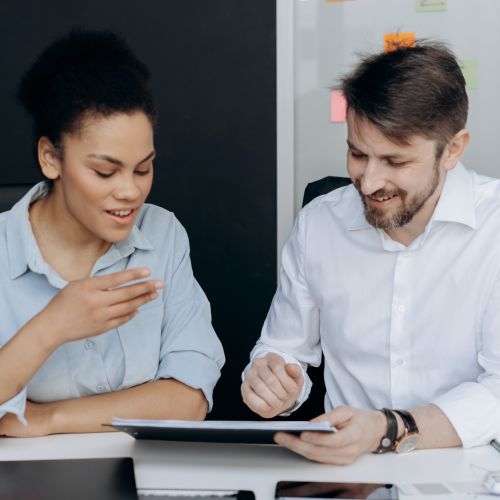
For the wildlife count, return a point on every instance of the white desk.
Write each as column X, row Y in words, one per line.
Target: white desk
column 258, row 468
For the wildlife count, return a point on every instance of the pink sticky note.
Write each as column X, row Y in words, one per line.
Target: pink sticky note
column 338, row 107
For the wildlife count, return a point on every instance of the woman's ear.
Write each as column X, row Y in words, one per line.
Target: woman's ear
column 49, row 158
column 455, row 149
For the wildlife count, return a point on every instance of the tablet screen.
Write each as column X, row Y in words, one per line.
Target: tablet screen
column 295, row 490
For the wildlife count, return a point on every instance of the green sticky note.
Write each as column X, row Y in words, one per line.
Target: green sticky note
column 432, row 5
column 469, row 69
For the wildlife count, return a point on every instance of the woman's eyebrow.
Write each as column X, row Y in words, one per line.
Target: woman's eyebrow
column 115, row 161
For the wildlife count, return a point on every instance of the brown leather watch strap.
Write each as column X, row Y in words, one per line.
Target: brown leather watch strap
column 391, row 433
column 408, row 421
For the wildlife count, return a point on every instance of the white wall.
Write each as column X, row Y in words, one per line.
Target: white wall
column 326, row 38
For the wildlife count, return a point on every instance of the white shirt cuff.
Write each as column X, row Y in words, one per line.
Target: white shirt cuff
column 473, row 411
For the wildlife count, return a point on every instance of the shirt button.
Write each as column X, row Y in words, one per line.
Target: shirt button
column 401, row 308
column 88, row 344
column 100, row 388
column 399, row 362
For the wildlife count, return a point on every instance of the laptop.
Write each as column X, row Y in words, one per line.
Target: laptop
column 76, row 479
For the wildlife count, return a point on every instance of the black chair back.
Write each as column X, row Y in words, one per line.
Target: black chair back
column 12, row 193
column 323, row 186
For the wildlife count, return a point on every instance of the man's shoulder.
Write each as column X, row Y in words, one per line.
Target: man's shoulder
column 340, row 204
column 486, row 192
column 485, row 187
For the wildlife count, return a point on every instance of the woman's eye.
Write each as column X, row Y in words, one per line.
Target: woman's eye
column 103, row 174
column 142, row 172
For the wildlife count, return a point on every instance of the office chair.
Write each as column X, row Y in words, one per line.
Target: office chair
column 10, row 194
column 314, row 405
column 323, row 186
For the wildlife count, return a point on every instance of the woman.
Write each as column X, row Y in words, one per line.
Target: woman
column 101, row 314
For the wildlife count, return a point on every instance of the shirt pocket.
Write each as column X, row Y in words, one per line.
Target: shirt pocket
column 141, row 343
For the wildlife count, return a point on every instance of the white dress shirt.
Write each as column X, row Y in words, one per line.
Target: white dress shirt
column 398, row 326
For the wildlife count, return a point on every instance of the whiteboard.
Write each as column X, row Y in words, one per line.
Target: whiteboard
column 327, row 38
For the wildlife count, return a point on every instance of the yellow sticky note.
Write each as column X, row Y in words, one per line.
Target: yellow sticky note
column 393, row 41
column 338, row 107
column 469, row 69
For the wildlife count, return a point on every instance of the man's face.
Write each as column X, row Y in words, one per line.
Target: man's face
column 395, row 181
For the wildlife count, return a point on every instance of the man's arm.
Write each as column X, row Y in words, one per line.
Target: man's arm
column 275, row 381
column 160, row 399
column 360, row 431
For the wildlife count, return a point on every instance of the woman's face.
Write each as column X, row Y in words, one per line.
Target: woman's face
column 105, row 174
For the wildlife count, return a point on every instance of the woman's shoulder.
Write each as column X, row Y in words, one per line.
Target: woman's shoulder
column 157, row 223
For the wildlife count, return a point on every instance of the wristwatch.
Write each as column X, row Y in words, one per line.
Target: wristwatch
column 410, row 438
column 388, row 440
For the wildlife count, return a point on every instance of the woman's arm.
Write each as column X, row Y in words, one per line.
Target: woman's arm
column 82, row 309
column 162, row 399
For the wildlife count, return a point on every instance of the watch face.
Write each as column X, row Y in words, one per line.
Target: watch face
column 408, row 443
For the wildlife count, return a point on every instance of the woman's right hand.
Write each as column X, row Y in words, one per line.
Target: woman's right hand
column 95, row 305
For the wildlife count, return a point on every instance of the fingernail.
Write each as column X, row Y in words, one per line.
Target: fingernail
column 145, row 272
column 278, row 439
column 158, row 284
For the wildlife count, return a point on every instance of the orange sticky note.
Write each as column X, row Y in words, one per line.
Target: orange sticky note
column 392, row 41
column 338, row 107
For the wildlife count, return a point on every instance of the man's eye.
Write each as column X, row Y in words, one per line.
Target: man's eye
column 103, row 174
column 356, row 154
column 396, row 163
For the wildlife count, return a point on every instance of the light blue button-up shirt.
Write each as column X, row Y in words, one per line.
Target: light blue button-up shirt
column 171, row 337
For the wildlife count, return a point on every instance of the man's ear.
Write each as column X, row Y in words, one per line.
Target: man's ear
column 455, row 149
column 49, row 158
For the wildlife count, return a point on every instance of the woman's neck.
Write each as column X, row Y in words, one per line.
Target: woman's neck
column 64, row 245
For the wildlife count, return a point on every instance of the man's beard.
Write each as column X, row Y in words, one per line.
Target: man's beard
column 377, row 218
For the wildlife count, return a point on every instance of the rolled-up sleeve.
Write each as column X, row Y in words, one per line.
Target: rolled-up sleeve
column 16, row 406
column 190, row 350
column 473, row 407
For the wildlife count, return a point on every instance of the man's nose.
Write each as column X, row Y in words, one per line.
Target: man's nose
column 372, row 179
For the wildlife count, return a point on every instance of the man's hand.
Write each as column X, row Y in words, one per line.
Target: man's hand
column 271, row 386
column 359, row 432
column 38, row 416
column 92, row 306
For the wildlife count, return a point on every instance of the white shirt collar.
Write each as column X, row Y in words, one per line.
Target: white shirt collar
column 456, row 203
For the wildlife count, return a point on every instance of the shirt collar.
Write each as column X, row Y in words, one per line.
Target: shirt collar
column 21, row 243
column 456, row 203
column 358, row 219
column 22, row 247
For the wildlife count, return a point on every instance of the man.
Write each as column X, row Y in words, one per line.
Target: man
column 395, row 279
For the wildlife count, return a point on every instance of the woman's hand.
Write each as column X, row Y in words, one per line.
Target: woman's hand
column 38, row 417
column 92, row 306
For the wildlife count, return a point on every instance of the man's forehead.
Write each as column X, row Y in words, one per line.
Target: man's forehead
column 363, row 134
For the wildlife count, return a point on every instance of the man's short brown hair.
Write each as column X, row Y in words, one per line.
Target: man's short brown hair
column 410, row 91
